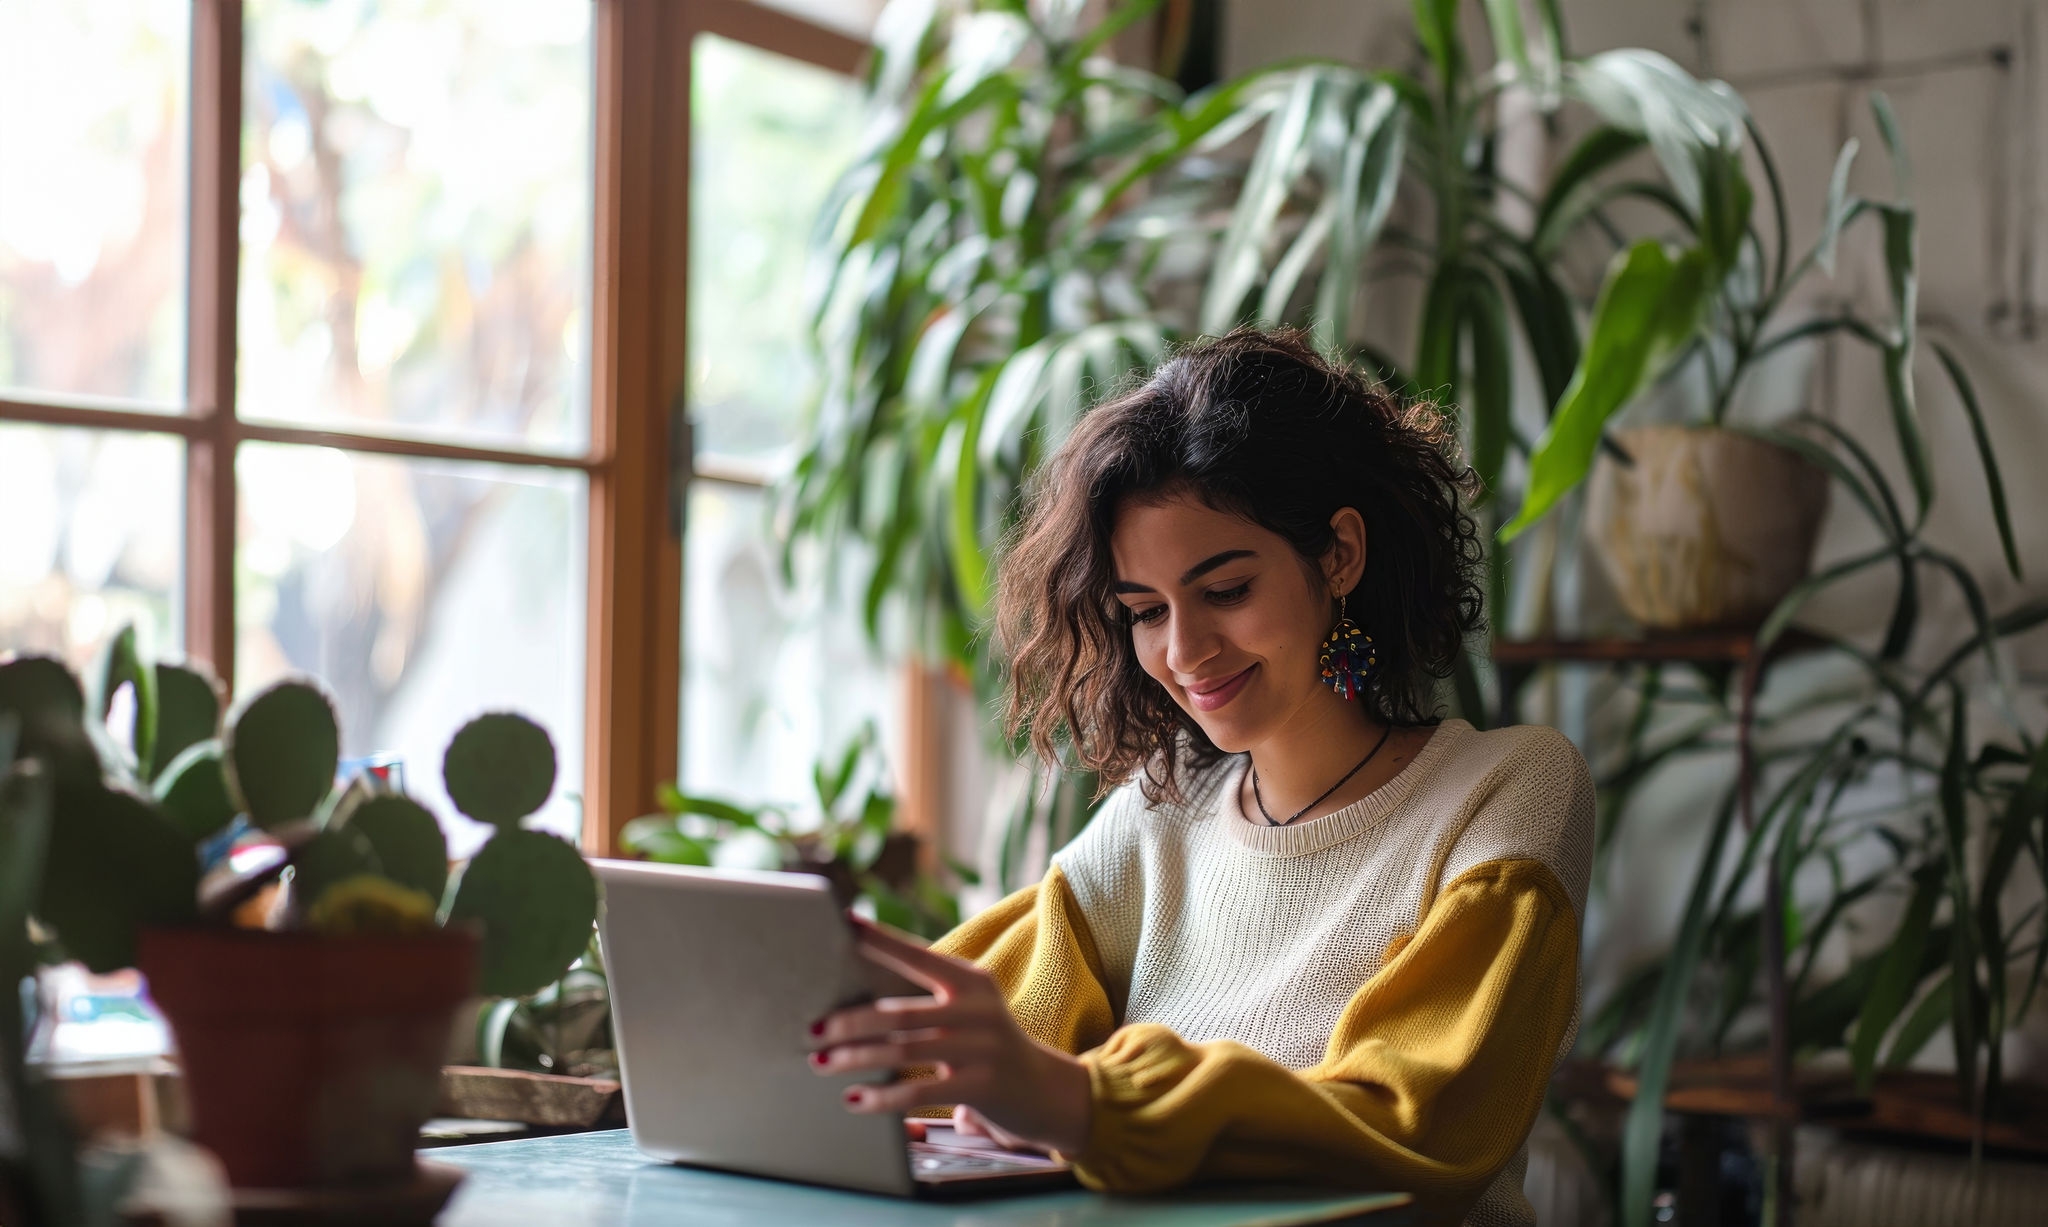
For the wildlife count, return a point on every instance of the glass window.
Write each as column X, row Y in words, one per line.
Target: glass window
column 768, row 136
column 774, row 677
column 422, row 593
column 416, row 217
column 94, row 117
column 93, row 538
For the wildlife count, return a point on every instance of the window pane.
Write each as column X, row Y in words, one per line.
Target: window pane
column 421, row 593
column 773, row 679
column 416, row 212
column 93, row 131
column 93, row 538
column 768, row 135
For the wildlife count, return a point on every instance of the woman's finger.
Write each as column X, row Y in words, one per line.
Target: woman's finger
column 873, row 1019
column 927, row 1048
column 903, row 954
column 898, row 1096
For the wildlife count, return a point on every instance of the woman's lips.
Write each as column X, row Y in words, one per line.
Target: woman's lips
column 1217, row 695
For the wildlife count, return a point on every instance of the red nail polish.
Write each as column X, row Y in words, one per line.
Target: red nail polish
column 853, row 1096
column 818, row 1027
column 817, row 1058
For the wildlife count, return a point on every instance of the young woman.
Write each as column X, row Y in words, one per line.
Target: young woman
column 1316, row 934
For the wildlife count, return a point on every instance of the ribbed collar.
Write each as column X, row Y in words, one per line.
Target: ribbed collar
column 1315, row 834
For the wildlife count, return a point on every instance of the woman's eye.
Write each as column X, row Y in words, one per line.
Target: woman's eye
column 1231, row 596
column 1151, row 613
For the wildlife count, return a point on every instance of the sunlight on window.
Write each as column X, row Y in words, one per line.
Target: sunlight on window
column 416, row 217
column 773, row 677
column 93, row 121
column 91, row 541
column 768, row 136
column 421, row 593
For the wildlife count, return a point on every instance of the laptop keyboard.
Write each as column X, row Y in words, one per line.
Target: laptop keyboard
column 929, row 1160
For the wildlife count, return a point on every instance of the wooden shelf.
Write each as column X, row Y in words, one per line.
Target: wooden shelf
column 1907, row 1105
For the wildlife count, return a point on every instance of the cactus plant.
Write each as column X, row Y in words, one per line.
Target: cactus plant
column 128, row 816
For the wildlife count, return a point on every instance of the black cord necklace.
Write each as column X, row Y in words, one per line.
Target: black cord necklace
column 1275, row 822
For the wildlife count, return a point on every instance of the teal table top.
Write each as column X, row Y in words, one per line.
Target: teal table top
column 600, row 1179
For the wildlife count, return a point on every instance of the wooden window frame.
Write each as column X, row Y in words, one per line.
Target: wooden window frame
column 637, row 463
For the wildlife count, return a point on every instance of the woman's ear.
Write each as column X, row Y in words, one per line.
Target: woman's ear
column 1344, row 562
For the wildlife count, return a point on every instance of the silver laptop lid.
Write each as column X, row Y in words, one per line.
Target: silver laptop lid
column 715, row 976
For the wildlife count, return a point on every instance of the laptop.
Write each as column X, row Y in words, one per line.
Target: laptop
column 716, row 976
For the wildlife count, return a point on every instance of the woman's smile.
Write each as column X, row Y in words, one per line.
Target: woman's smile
column 1212, row 693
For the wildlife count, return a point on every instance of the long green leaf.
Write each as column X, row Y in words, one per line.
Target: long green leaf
column 1504, row 17
column 1547, row 322
column 1994, row 484
column 1436, row 350
column 1899, row 258
column 1491, row 400
column 1965, row 1022
column 1645, row 1123
column 1567, row 197
column 1788, row 607
column 1647, row 308
column 1367, row 181
column 1266, row 187
column 1927, row 1018
column 1836, row 215
column 1436, row 24
column 1894, row 143
column 1896, row 975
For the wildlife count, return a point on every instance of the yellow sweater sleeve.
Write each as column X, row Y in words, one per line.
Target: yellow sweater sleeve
column 1036, row 946
column 1429, row 1083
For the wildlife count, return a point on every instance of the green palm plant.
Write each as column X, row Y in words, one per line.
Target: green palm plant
column 1032, row 223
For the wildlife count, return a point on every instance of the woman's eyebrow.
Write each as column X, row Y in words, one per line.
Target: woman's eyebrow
column 1193, row 573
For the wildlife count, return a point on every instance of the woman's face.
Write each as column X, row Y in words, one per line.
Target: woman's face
column 1225, row 616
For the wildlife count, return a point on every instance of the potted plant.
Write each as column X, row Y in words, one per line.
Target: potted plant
column 310, row 1050
column 1705, row 524
column 1034, row 223
column 846, row 837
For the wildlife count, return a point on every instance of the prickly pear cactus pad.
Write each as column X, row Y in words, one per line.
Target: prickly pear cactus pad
column 536, row 901
column 193, row 791
column 282, row 752
column 120, row 664
column 187, row 713
column 407, row 842
column 499, row 768
column 334, row 855
column 50, row 707
column 115, row 865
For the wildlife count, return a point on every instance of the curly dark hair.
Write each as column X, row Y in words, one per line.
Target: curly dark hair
column 1261, row 425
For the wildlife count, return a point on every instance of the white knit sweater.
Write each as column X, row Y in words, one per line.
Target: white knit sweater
column 1220, row 929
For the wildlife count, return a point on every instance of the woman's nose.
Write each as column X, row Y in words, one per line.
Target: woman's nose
column 1191, row 641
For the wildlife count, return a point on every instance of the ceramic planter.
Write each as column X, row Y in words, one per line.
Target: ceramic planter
column 1708, row 529
column 309, row 1061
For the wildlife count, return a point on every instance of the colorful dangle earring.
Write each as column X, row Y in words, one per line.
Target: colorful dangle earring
column 1350, row 661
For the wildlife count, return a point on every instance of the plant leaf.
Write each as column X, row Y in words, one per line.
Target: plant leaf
column 1569, row 194
column 1896, row 973
column 1491, row 399
column 1836, row 215
column 1648, row 307
column 1994, row 484
column 1644, row 1126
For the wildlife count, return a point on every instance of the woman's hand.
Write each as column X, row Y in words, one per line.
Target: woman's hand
column 1025, row 1090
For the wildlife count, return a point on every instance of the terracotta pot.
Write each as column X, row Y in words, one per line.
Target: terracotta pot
column 309, row 1060
column 1708, row 528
